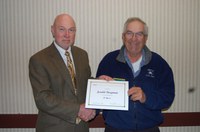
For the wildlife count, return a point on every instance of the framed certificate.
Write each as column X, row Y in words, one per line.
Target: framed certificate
column 102, row 94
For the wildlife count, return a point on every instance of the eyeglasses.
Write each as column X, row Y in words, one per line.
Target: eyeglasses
column 130, row 34
column 64, row 30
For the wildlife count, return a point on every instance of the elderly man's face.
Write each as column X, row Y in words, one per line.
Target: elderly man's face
column 64, row 31
column 134, row 38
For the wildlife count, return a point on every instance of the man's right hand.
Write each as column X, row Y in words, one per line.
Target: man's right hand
column 86, row 114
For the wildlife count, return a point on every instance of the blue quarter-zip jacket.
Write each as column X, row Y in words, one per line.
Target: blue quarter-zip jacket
column 156, row 80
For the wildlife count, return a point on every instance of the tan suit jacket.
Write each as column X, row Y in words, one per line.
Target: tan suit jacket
column 53, row 89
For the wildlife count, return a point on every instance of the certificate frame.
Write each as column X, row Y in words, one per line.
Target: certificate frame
column 110, row 95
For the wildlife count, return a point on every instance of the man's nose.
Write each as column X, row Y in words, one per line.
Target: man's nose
column 67, row 33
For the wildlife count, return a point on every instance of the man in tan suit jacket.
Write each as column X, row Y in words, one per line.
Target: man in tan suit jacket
column 61, row 109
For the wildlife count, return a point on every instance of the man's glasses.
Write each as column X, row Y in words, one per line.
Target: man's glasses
column 130, row 34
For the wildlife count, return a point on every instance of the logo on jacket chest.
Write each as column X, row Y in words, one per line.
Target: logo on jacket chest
column 150, row 73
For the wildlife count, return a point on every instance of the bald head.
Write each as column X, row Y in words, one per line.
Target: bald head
column 64, row 18
column 64, row 30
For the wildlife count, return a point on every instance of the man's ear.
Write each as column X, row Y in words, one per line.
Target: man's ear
column 52, row 30
column 122, row 36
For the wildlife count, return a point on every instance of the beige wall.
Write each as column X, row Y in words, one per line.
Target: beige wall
column 25, row 29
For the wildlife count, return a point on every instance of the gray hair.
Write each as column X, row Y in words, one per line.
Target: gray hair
column 131, row 19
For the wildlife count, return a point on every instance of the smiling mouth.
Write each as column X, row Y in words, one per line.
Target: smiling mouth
column 134, row 44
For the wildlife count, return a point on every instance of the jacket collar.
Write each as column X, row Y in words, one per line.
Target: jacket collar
column 147, row 54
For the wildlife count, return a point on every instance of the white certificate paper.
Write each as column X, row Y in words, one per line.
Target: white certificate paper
column 102, row 94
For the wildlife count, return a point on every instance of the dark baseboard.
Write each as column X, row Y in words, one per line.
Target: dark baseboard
column 29, row 120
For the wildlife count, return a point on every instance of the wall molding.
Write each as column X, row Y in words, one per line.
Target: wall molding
column 29, row 120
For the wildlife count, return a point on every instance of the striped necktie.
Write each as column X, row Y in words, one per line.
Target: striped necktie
column 71, row 70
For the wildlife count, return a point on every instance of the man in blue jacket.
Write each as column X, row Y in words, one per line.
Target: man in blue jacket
column 151, row 82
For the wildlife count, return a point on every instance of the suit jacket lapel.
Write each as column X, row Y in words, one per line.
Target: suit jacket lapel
column 60, row 65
